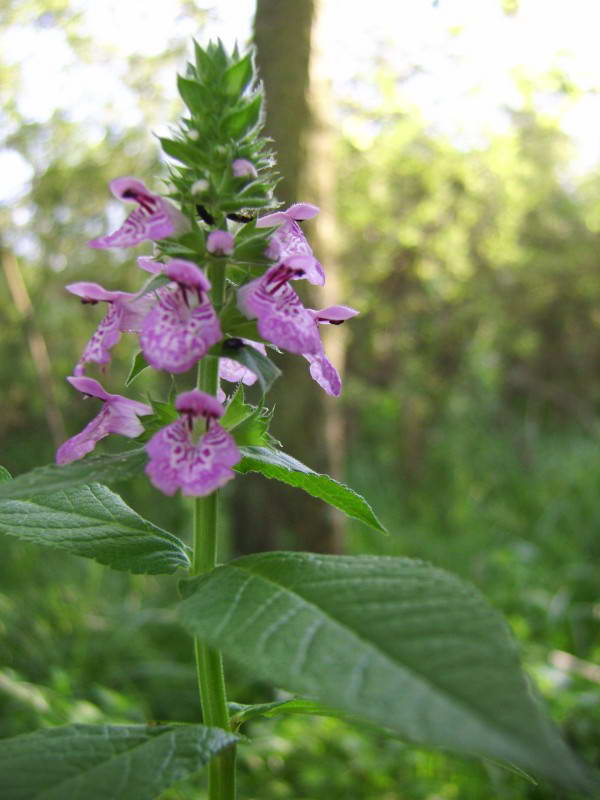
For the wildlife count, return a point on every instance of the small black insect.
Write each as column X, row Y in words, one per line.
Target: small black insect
column 233, row 344
column 240, row 217
column 205, row 215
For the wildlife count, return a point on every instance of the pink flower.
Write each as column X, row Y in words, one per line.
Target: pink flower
column 154, row 218
column 288, row 245
column 220, row 243
column 282, row 319
column 118, row 415
column 242, row 168
column 321, row 368
column 179, row 459
column 125, row 314
column 182, row 325
column 230, row 370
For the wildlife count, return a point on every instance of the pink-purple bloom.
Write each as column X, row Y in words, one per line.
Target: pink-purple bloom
column 182, row 459
column 281, row 316
column 321, row 368
column 220, row 243
column 233, row 371
column 125, row 314
column 288, row 245
column 117, row 415
column 154, row 218
column 242, row 168
column 182, row 325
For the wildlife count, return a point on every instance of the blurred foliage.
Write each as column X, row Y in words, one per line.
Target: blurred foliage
column 471, row 405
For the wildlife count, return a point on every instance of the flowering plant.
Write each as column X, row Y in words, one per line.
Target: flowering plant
column 391, row 642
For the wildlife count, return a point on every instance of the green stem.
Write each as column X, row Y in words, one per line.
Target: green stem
column 209, row 664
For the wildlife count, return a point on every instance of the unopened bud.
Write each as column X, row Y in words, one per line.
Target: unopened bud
column 242, row 168
column 200, row 186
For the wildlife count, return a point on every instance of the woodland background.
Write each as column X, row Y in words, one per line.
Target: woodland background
column 470, row 414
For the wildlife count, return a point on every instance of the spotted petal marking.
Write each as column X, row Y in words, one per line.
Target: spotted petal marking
column 197, row 469
column 289, row 246
column 174, row 336
column 282, row 319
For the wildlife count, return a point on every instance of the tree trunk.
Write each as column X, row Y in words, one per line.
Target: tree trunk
column 266, row 514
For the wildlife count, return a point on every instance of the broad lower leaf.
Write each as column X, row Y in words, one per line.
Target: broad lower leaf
column 5, row 475
column 94, row 468
column 394, row 641
column 105, row 762
column 278, row 465
column 94, row 522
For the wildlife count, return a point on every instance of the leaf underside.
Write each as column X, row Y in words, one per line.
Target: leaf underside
column 104, row 762
column 397, row 642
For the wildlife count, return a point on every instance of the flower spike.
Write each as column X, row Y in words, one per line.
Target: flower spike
column 183, row 325
column 199, row 467
column 154, row 218
column 118, row 415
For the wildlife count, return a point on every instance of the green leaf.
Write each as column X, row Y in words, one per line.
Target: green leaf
column 237, row 410
column 254, row 430
column 94, row 522
column 395, row 641
column 278, row 465
column 164, row 414
column 249, row 357
column 138, row 365
column 242, row 713
column 193, row 94
column 105, row 762
column 5, row 475
column 243, row 118
column 153, row 284
column 249, row 424
column 183, row 152
column 238, row 76
column 109, row 468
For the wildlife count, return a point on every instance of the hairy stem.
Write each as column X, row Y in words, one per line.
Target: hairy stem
column 209, row 664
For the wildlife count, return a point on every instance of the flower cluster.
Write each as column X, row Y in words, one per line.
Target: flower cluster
column 177, row 325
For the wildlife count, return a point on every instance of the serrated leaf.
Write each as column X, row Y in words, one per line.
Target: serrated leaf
column 243, row 118
column 238, row 76
column 105, row 762
column 93, row 522
column 109, row 468
column 237, row 410
column 395, row 641
column 138, row 365
column 249, row 357
column 254, row 430
column 163, row 414
column 5, row 475
column 279, row 465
